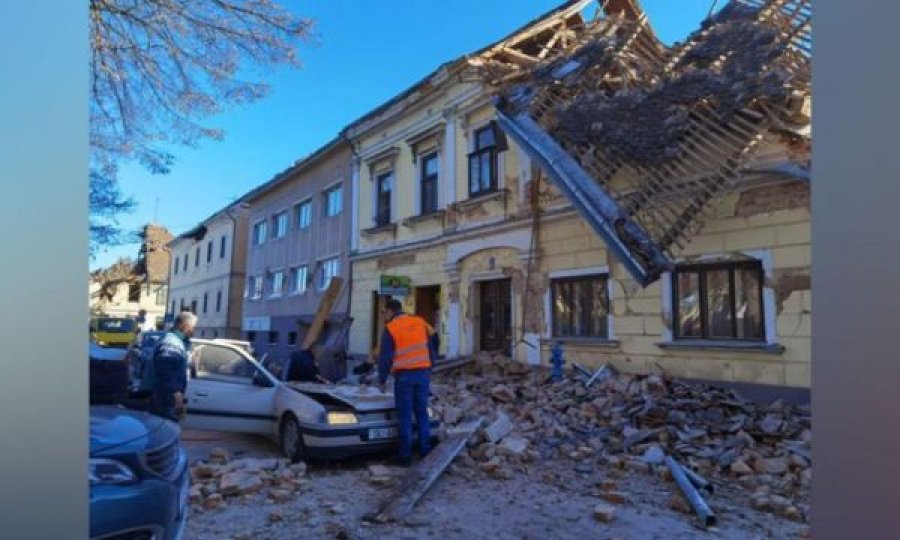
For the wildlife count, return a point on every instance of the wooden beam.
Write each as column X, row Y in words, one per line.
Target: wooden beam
column 325, row 306
column 379, row 322
column 520, row 56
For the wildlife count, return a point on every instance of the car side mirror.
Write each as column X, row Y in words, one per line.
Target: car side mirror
column 259, row 379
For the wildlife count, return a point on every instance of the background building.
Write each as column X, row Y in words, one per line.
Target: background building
column 126, row 287
column 299, row 234
column 207, row 272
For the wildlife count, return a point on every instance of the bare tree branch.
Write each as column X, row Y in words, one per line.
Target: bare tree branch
column 160, row 68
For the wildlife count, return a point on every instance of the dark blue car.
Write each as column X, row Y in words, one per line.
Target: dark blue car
column 139, row 476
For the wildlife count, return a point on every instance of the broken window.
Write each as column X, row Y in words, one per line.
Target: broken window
column 333, row 201
column 134, row 292
column 719, row 301
column 280, row 224
column 304, row 214
column 385, row 186
column 483, row 162
column 580, row 306
column 429, row 189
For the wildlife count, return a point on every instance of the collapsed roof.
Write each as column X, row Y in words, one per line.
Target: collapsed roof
column 644, row 139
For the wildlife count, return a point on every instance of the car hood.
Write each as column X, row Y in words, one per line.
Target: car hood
column 360, row 398
column 97, row 352
column 113, row 427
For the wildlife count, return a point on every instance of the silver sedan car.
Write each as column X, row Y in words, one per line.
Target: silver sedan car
column 228, row 390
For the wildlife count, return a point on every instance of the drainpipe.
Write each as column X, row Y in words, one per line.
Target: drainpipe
column 352, row 232
column 234, row 230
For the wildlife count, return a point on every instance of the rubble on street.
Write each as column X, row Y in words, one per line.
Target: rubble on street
column 631, row 423
column 608, row 441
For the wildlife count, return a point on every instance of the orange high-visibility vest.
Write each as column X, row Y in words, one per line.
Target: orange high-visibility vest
column 410, row 334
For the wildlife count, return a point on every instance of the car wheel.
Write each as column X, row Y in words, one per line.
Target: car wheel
column 291, row 440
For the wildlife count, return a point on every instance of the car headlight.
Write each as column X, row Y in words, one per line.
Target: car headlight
column 337, row 418
column 110, row 471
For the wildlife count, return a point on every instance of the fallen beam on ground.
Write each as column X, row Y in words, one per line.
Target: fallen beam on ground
column 404, row 497
column 690, row 493
column 450, row 364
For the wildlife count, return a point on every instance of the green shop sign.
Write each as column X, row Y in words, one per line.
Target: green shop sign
column 394, row 285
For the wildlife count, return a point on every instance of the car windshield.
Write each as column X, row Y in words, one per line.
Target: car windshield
column 115, row 325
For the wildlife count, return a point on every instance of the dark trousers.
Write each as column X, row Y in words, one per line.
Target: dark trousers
column 163, row 405
column 411, row 397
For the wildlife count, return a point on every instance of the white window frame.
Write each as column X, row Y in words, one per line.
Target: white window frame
column 277, row 220
column 764, row 256
column 261, row 225
column 273, row 292
column 420, row 177
column 297, row 207
column 303, row 284
column 334, row 188
column 470, row 147
column 374, row 177
column 575, row 273
column 255, row 287
column 323, row 282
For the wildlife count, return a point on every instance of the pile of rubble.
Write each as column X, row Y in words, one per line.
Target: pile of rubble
column 631, row 423
column 219, row 479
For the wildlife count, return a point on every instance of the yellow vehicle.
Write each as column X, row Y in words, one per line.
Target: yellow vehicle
column 113, row 331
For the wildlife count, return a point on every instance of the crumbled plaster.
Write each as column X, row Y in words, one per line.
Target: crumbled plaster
column 786, row 281
column 393, row 261
column 767, row 199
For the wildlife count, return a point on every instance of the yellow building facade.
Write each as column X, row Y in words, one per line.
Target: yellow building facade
column 498, row 260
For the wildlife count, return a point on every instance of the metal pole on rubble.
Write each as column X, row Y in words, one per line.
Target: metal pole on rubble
column 690, row 493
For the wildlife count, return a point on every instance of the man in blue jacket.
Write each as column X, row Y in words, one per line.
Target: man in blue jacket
column 169, row 368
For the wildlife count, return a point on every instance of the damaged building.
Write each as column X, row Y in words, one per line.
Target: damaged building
column 128, row 286
column 581, row 182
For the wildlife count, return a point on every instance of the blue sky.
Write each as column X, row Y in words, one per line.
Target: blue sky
column 367, row 52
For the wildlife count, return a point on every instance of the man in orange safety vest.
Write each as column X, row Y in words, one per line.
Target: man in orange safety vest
column 407, row 349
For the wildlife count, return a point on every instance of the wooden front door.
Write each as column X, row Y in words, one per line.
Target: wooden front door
column 427, row 303
column 496, row 316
